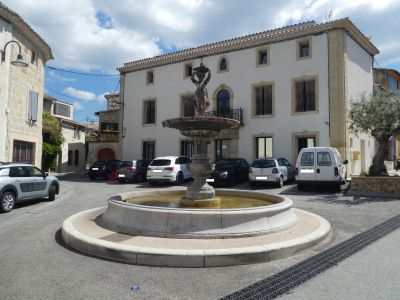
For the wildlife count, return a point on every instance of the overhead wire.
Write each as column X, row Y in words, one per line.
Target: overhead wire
column 81, row 73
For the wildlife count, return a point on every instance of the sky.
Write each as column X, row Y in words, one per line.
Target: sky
column 98, row 36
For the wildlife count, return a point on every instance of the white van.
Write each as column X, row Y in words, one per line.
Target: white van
column 320, row 165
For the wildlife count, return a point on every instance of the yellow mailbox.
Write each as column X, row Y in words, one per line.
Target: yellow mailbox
column 356, row 155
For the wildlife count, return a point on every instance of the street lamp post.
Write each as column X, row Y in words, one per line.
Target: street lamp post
column 19, row 62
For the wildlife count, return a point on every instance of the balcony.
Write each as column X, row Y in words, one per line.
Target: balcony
column 236, row 114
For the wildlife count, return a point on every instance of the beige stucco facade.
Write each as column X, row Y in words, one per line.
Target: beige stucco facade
column 16, row 84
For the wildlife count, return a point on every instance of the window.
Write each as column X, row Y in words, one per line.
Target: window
column 307, row 159
column 33, row 106
column 305, row 95
column 149, row 150
column 22, row 152
column 18, row 172
column 70, row 154
column 263, row 147
column 188, row 106
column 34, row 172
column 263, row 100
column 33, row 57
column 108, row 127
column 149, row 77
column 222, row 149
column 223, row 65
column 187, row 148
column 283, row 162
column 262, row 58
column 223, row 104
column 77, row 132
column 305, row 142
column 149, row 112
column 323, row 159
column 188, row 70
column 62, row 110
column 304, row 48
column 76, row 158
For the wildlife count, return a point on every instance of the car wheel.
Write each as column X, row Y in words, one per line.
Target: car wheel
column 300, row 187
column 252, row 183
column 280, row 182
column 52, row 192
column 179, row 178
column 121, row 180
column 152, row 182
column 92, row 177
column 7, row 202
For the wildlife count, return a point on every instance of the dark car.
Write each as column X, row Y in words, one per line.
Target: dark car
column 229, row 171
column 132, row 170
column 102, row 168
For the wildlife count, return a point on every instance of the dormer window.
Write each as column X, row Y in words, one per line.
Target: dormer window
column 223, row 65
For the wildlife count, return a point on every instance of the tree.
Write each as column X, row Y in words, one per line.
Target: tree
column 51, row 142
column 378, row 114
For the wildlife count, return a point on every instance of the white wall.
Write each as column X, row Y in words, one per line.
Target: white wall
column 72, row 143
column 359, row 76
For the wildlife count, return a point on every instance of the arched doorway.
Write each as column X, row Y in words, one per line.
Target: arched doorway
column 105, row 154
column 223, row 104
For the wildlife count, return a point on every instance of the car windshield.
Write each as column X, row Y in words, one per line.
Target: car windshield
column 265, row 163
column 127, row 164
column 224, row 164
column 160, row 162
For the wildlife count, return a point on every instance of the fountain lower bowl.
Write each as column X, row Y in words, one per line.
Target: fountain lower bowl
column 171, row 222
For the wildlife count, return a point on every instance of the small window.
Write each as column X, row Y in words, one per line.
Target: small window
column 307, row 159
column 62, row 110
column 263, row 57
column 188, row 70
column 150, row 77
column 304, row 49
column 33, row 57
column 223, row 65
column 149, row 112
column 323, row 159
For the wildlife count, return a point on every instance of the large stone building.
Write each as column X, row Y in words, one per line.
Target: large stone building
column 21, row 89
column 72, row 156
column 290, row 87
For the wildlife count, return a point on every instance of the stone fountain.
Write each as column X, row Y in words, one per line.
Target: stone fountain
column 193, row 227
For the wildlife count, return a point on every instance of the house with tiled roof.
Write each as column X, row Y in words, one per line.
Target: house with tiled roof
column 24, row 54
column 289, row 87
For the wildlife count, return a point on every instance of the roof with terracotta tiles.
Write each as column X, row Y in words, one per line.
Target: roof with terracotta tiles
column 252, row 40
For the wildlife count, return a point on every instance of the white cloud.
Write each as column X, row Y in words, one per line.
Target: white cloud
column 84, row 95
column 77, row 105
column 52, row 76
column 136, row 29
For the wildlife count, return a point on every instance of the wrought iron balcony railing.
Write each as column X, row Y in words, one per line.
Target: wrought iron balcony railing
column 236, row 114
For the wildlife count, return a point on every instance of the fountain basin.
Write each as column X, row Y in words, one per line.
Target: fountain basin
column 143, row 220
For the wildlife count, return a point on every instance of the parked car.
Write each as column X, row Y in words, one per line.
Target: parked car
column 169, row 169
column 132, row 170
column 102, row 168
column 21, row 182
column 271, row 170
column 229, row 171
column 320, row 165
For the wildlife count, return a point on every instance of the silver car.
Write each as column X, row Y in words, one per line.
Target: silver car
column 20, row 182
column 271, row 170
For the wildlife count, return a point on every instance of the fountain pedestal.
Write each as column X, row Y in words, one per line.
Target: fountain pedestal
column 200, row 130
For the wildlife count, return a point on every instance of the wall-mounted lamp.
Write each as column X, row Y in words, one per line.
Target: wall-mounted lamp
column 19, row 62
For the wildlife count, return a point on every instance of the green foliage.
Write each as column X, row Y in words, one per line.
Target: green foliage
column 89, row 138
column 378, row 114
column 52, row 142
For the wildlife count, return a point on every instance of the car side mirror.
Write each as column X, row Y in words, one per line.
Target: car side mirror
column 345, row 162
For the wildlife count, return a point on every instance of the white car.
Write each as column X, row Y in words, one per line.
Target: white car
column 271, row 170
column 169, row 169
column 320, row 165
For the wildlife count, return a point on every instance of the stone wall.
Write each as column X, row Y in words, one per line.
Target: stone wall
column 388, row 185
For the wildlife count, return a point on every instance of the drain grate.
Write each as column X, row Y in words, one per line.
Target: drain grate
column 280, row 283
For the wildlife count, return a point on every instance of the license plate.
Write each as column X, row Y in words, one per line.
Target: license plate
column 121, row 175
column 209, row 180
column 261, row 177
column 305, row 171
column 157, row 171
column 95, row 169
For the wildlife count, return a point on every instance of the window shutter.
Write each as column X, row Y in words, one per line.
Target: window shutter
column 268, row 100
column 33, row 106
column 299, row 96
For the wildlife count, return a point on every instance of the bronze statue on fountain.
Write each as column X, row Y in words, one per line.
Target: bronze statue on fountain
column 200, row 129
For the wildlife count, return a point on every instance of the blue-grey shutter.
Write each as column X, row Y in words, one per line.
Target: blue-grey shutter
column 33, row 106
